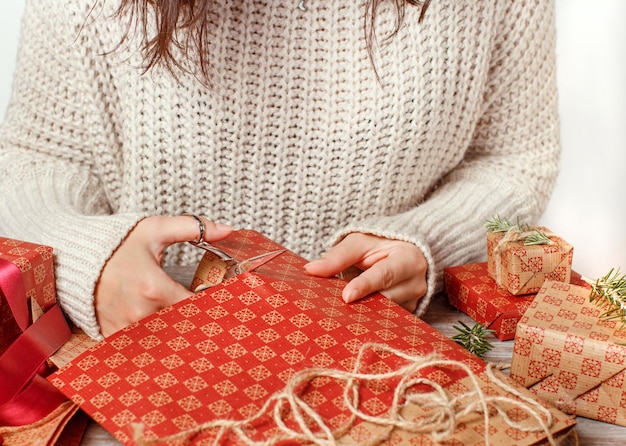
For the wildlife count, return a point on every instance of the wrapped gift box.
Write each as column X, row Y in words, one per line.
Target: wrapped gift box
column 565, row 354
column 473, row 291
column 32, row 265
column 222, row 353
column 522, row 269
column 32, row 328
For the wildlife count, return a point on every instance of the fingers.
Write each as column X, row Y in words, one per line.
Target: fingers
column 159, row 232
column 400, row 273
column 340, row 257
column 394, row 268
column 132, row 283
column 130, row 299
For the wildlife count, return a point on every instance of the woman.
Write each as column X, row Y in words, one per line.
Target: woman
column 376, row 134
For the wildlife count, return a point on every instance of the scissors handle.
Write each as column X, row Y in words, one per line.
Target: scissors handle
column 233, row 267
column 218, row 252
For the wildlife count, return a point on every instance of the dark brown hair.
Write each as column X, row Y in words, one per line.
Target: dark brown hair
column 189, row 19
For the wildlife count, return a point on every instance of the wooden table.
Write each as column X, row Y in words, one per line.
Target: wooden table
column 442, row 316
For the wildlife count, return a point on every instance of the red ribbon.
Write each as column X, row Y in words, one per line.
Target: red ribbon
column 25, row 395
column 12, row 287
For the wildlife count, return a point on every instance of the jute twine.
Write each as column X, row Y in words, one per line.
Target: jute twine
column 445, row 411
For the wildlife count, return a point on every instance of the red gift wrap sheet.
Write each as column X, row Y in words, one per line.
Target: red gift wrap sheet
column 222, row 354
column 565, row 354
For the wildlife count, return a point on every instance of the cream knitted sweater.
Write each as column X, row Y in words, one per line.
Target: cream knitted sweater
column 296, row 138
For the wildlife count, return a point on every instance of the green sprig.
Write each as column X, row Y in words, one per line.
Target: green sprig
column 609, row 292
column 473, row 339
column 498, row 224
column 536, row 237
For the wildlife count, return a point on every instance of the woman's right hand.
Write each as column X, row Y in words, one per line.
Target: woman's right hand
column 133, row 284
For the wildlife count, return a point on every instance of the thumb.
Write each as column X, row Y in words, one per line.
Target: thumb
column 171, row 290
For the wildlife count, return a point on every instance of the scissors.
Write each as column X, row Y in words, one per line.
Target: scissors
column 233, row 266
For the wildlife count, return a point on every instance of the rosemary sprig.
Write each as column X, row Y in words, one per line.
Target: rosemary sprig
column 536, row 237
column 498, row 224
column 473, row 339
column 609, row 292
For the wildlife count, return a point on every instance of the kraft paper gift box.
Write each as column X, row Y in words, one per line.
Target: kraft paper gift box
column 220, row 355
column 522, row 269
column 566, row 355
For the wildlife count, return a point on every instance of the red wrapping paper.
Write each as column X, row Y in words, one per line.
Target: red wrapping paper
column 471, row 290
column 225, row 350
column 565, row 354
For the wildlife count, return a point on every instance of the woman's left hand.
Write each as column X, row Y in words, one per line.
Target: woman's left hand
column 395, row 268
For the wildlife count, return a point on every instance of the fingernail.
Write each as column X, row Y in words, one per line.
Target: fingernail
column 223, row 227
column 351, row 296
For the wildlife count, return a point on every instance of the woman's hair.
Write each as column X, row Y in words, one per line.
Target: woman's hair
column 190, row 19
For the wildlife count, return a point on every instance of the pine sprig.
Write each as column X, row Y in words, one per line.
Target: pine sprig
column 609, row 292
column 473, row 338
column 535, row 237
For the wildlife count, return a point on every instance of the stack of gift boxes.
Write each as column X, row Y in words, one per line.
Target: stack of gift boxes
column 32, row 328
column 564, row 352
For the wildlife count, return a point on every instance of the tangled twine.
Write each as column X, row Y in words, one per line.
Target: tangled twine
column 446, row 411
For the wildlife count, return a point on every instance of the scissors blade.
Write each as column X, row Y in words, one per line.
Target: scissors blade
column 254, row 262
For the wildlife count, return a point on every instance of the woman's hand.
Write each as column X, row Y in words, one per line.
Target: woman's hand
column 133, row 284
column 395, row 268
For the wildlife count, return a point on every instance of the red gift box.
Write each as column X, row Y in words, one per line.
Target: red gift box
column 32, row 264
column 224, row 352
column 32, row 328
column 471, row 290
column 566, row 354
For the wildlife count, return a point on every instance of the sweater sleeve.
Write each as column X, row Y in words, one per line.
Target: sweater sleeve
column 51, row 144
column 511, row 163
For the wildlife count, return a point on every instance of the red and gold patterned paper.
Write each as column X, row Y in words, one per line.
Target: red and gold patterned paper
column 566, row 355
column 522, row 269
column 471, row 290
column 224, row 351
column 36, row 264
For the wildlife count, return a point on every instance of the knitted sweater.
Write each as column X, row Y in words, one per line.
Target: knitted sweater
column 296, row 137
